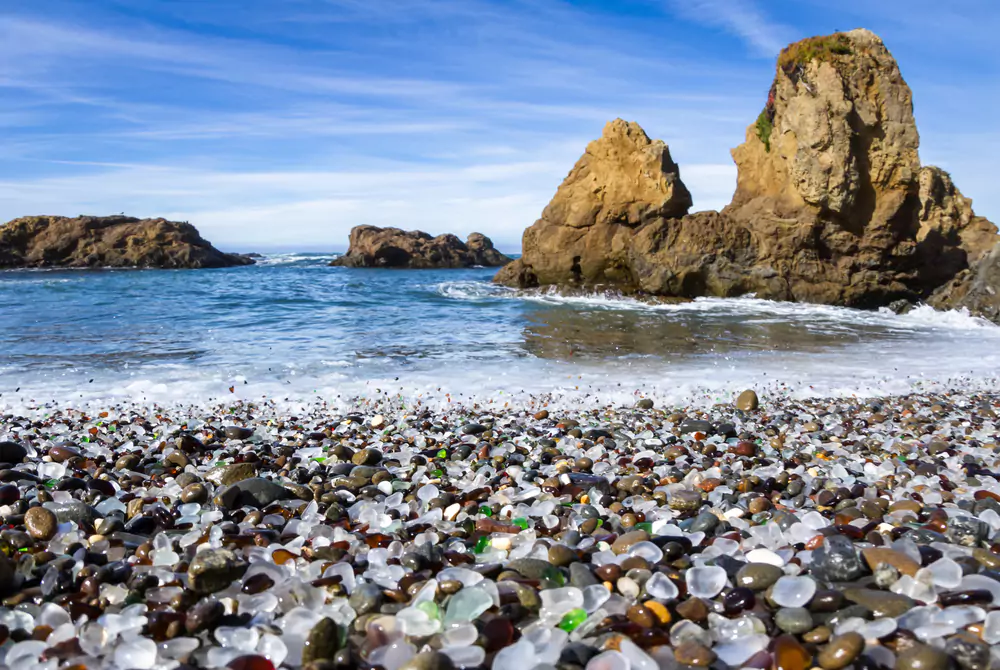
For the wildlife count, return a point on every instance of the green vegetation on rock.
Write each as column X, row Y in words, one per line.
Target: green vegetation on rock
column 764, row 128
column 823, row 48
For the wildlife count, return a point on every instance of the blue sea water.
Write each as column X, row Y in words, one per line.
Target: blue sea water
column 294, row 328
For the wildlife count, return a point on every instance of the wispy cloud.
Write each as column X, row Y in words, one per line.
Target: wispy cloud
column 294, row 121
column 741, row 18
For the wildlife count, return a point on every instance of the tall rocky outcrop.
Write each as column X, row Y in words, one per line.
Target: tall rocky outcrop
column 108, row 241
column 831, row 205
column 373, row 247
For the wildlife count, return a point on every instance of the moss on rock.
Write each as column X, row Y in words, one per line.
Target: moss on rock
column 824, row 48
column 764, row 128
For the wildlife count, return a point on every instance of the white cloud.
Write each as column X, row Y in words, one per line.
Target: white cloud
column 741, row 18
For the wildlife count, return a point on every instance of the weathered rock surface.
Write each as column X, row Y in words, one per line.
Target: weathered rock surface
column 108, row 241
column 373, row 247
column 831, row 206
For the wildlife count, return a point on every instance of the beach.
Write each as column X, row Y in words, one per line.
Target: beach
column 394, row 534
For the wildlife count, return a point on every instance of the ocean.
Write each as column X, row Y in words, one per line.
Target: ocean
column 291, row 329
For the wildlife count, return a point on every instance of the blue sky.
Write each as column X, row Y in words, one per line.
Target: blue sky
column 283, row 123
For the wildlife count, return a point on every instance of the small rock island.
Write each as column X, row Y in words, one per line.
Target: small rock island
column 108, row 242
column 374, row 247
column 831, row 206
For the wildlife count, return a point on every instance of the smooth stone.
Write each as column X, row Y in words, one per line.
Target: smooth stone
column 255, row 492
column 836, row 560
column 881, row 603
column 644, row 403
column 841, row 651
column 703, row 523
column 237, row 432
column 366, row 598
column 875, row 556
column 323, row 641
column 968, row 652
column 922, row 657
column 224, row 475
column 213, row 570
column 789, row 654
column 12, row 452
column 194, row 493
column 367, row 457
column 561, row 555
column 696, row 426
column 531, row 568
column 747, row 401
column 758, row 576
column 40, row 523
column 429, row 660
column 79, row 513
column 625, row 541
column 794, row 620
column 693, row 653
column 580, row 575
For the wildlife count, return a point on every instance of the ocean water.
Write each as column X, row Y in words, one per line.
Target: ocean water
column 292, row 329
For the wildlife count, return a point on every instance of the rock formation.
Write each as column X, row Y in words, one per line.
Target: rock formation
column 372, row 247
column 831, row 206
column 107, row 241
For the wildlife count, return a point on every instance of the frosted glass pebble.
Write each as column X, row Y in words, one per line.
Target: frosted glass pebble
column 468, row 604
column 465, row 657
column 934, row 631
column 463, row 635
column 515, row 657
column 646, row 550
column 735, row 653
column 392, row 656
column 138, row 653
column 660, row 586
column 793, row 591
column 177, row 649
column 946, row 573
column 706, row 582
column 596, row 595
column 609, row 660
column 991, row 628
column 24, row 654
column 961, row 615
column 971, row 582
column 765, row 556
column 240, row 638
column 637, row 658
column 879, row 628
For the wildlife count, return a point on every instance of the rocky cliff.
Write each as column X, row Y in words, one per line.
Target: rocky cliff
column 108, row 241
column 373, row 247
column 831, row 205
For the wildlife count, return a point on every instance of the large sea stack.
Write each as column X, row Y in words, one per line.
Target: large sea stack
column 108, row 241
column 832, row 205
column 373, row 247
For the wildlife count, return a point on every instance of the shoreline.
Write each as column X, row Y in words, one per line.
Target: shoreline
column 481, row 535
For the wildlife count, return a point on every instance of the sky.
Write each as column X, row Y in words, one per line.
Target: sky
column 281, row 124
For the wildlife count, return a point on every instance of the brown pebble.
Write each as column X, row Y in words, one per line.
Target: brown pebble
column 841, row 651
column 693, row 653
column 40, row 523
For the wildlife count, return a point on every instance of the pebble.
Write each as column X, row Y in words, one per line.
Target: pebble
column 922, row 657
column 493, row 537
column 747, row 401
column 794, row 620
column 212, row 570
column 40, row 523
column 758, row 576
column 841, row 651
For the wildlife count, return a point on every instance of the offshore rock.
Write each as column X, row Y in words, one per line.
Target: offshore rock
column 832, row 205
column 108, row 241
column 622, row 181
column 373, row 247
